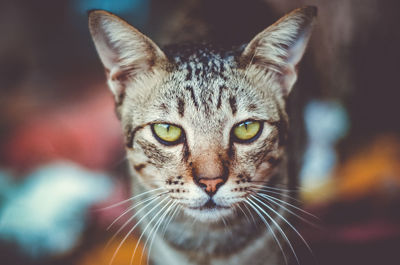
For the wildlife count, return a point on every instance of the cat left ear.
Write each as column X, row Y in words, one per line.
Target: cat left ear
column 124, row 51
column 280, row 47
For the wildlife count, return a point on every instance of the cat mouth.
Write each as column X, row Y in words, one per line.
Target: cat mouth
column 209, row 205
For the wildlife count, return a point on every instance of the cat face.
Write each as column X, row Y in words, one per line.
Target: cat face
column 206, row 126
column 205, row 156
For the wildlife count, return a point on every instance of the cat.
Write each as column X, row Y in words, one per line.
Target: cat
column 206, row 132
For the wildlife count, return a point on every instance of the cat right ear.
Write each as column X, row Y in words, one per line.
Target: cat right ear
column 124, row 51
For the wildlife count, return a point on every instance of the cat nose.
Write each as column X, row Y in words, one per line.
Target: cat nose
column 210, row 186
column 209, row 171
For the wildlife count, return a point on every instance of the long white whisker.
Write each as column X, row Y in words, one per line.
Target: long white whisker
column 288, row 204
column 170, row 219
column 251, row 215
column 133, row 228
column 145, row 229
column 285, row 220
column 278, row 193
column 158, row 225
column 128, row 200
column 152, row 231
column 133, row 207
column 270, row 229
column 226, row 227
column 286, row 209
column 279, row 228
column 130, row 220
column 247, row 218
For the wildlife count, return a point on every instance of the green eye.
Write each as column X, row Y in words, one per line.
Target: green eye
column 167, row 133
column 247, row 131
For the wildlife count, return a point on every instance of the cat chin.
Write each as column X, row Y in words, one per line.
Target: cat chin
column 209, row 215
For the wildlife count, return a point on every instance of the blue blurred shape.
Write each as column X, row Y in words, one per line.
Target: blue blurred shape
column 326, row 123
column 45, row 215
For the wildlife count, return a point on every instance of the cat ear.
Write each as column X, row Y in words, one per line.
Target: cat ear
column 124, row 51
column 280, row 47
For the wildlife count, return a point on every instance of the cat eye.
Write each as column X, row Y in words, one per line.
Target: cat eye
column 167, row 134
column 247, row 131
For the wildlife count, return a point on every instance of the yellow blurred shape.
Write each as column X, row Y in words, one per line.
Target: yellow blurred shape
column 371, row 170
column 102, row 254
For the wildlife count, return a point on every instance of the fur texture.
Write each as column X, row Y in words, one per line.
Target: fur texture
column 207, row 91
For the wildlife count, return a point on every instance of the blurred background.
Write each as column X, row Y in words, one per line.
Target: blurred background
column 61, row 148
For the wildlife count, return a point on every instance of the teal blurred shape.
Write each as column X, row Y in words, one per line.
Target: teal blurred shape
column 137, row 9
column 46, row 214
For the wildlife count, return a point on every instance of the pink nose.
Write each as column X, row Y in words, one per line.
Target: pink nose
column 211, row 185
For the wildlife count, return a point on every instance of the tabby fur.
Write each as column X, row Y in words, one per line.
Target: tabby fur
column 206, row 90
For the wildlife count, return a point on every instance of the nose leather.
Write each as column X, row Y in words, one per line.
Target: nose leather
column 209, row 172
column 211, row 185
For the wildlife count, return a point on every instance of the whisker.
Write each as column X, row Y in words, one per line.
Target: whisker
column 226, row 227
column 278, row 193
column 156, row 230
column 149, row 225
column 153, row 229
column 251, row 215
column 145, row 229
column 270, row 229
column 170, row 219
column 128, row 221
column 279, row 228
column 134, row 206
column 289, row 204
column 133, row 228
column 127, row 200
column 286, row 221
column 288, row 210
column 245, row 215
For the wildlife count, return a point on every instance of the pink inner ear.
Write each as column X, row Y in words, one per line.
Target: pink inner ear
column 123, row 50
column 108, row 55
column 297, row 49
column 280, row 47
column 289, row 77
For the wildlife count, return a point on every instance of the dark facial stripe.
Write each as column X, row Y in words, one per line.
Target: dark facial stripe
column 251, row 107
column 181, row 107
column 189, row 73
column 232, row 103
column 186, row 152
column 190, row 89
column 283, row 132
column 257, row 157
column 263, row 148
column 164, row 108
column 221, row 89
column 231, row 151
column 155, row 154
column 139, row 167
column 130, row 134
column 283, row 127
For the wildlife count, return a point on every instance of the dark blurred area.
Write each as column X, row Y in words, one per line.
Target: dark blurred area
column 61, row 146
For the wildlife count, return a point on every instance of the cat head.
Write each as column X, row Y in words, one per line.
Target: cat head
column 205, row 125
